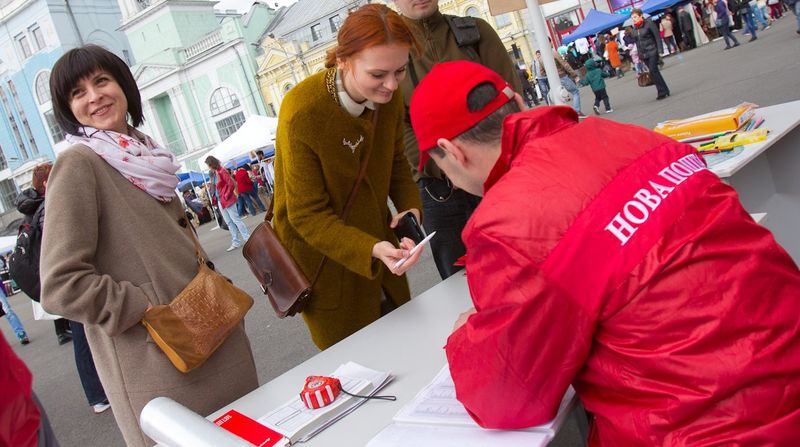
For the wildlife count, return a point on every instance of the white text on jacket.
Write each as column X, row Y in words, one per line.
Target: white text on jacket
column 636, row 211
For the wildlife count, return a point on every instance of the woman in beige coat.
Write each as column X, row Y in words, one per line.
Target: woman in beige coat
column 117, row 242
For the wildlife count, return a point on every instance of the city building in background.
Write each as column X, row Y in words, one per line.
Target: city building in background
column 296, row 43
column 196, row 70
column 33, row 35
column 294, row 46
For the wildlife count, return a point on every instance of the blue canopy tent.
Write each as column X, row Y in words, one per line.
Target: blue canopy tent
column 651, row 6
column 594, row 23
column 191, row 178
column 242, row 160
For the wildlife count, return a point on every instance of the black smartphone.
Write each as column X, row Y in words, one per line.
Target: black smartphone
column 409, row 227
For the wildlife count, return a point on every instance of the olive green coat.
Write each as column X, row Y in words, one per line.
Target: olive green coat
column 109, row 250
column 319, row 148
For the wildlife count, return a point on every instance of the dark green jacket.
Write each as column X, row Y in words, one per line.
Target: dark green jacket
column 438, row 44
column 594, row 76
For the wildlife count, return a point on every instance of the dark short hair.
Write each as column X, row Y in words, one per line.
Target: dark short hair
column 637, row 11
column 260, row 152
column 212, row 161
column 80, row 62
column 490, row 129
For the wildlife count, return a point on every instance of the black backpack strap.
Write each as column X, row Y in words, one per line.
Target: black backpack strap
column 465, row 30
column 37, row 217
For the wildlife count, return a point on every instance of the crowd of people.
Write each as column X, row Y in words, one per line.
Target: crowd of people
column 656, row 352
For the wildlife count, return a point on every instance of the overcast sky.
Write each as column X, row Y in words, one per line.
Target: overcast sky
column 244, row 5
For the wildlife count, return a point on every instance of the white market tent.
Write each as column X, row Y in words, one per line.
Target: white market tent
column 257, row 132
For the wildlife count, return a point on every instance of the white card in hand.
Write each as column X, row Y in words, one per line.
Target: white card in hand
column 414, row 250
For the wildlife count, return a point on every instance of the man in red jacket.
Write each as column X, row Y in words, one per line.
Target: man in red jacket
column 609, row 257
column 23, row 423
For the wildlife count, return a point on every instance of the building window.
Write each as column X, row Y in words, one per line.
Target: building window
column 503, row 20
column 43, row 87
column 22, row 118
column 24, row 45
column 287, row 87
column 13, row 122
column 222, row 100
column 316, row 32
column 473, row 12
column 229, row 125
column 3, row 163
column 336, row 21
column 8, row 194
column 142, row 4
column 38, row 37
column 271, row 110
column 52, row 126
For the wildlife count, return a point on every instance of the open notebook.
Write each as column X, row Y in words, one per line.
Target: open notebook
column 436, row 418
column 298, row 423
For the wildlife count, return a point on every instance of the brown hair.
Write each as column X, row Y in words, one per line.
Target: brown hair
column 637, row 11
column 80, row 62
column 40, row 175
column 212, row 162
column 369, row 26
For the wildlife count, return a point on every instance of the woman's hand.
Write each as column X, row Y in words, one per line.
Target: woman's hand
column 389, row 255
column 398, row 216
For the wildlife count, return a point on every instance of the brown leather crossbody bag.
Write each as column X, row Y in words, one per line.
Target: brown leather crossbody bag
column 199, row 319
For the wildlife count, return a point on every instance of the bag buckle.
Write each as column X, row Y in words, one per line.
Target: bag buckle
column 267, row 281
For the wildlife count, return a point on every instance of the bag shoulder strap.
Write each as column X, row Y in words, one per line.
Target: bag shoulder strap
column 362, row 172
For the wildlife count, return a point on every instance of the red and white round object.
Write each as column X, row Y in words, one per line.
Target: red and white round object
column 320, row 391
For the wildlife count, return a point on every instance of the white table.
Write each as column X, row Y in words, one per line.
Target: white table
column 408, row 343
column 767, row 175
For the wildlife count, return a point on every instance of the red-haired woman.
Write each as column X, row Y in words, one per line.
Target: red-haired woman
column 325, row 129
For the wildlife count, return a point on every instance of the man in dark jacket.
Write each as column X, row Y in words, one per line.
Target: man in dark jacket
column 445, row 209
column 648, row 43
column 28, row 202
column 723, row 24
column 687, row 28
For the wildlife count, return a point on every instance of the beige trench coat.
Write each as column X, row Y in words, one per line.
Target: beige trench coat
column 109, row 248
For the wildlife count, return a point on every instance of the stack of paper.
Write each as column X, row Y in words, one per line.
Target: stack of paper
column 436, row 418
column 298, row 423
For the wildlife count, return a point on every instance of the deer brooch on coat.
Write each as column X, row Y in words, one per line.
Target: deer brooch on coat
column 353, row 145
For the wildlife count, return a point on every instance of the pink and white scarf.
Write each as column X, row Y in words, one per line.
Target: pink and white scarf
column 138, row 158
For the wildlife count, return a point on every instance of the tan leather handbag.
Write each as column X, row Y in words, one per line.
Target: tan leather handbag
column 199, row 319
column 285, row 285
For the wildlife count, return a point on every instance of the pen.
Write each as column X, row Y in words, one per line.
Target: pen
column 414, row 250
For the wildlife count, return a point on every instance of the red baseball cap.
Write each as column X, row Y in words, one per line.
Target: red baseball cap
column 439, row 104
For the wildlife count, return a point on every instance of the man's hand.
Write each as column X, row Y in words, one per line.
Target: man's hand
column 463, row 318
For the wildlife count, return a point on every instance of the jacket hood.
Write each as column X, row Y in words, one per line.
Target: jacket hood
column 590, row 64
column 520, row 128
column 28, row 201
